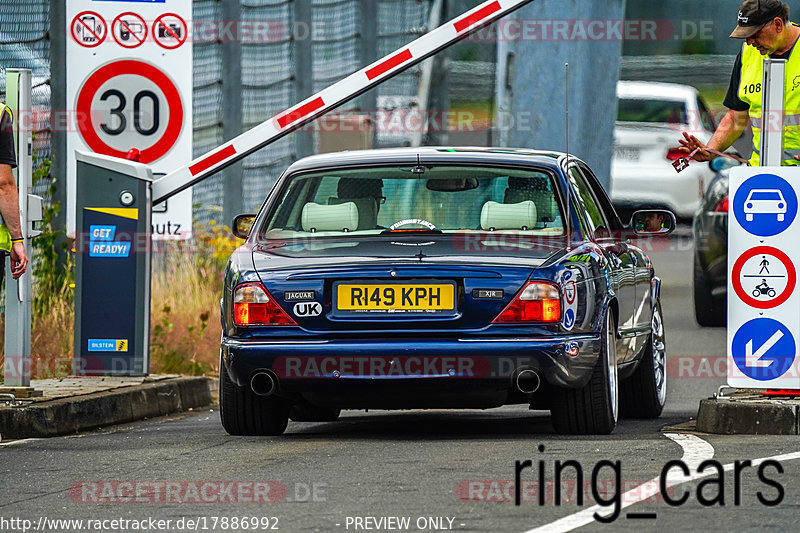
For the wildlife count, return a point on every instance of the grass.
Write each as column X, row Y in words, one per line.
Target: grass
column 186, row 288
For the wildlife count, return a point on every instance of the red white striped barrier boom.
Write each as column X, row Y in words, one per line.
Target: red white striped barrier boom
column 330, row 98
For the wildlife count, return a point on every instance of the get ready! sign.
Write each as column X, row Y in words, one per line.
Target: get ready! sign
column 129, row 78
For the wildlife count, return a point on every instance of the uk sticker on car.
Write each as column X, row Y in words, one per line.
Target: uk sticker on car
column 304, row 309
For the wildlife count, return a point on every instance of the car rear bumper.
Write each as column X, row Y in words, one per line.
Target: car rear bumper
column 410, row 367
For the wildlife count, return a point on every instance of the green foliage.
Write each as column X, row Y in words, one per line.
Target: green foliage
column 183, row 358
column 54, row 277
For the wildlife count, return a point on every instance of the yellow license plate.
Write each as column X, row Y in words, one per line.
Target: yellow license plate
column 395, row 297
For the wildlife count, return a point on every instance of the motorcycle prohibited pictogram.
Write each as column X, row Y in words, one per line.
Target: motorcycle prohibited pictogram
column 763, row 277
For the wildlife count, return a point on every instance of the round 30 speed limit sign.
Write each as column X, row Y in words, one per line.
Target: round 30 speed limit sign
column 130, row 104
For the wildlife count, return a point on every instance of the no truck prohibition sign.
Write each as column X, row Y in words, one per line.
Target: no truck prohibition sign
column 130, row 104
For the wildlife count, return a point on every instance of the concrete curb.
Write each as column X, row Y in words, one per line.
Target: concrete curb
column 65, row 416
column 749, row 416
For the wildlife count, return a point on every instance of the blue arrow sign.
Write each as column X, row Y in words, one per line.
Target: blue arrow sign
column 765, row 205
column 569, row 319
column 763, row 349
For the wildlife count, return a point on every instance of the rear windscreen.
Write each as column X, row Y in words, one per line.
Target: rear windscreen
column 651, row 110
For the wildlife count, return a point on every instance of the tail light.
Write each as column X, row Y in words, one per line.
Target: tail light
column 675, row 153
column 722, row 205
column 254, row 305
column 537, row 302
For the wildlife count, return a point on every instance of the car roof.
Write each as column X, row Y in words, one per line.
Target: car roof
column 427, row 154
column 650, row 89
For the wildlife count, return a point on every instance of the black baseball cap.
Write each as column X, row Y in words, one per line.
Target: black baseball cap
column 754, row 15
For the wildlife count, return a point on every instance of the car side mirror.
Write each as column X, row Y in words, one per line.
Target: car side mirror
column 242, row 225
column 719, row 164
column 653, row 221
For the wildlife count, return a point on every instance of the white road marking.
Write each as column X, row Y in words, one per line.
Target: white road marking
column 695, row 451
column 14, row 442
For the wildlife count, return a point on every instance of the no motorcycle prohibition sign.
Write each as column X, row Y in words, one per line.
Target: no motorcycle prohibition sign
column 763, row 277
column 130, row 104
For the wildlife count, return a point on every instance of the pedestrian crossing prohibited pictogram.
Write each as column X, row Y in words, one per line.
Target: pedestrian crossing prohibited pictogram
column 763, row 277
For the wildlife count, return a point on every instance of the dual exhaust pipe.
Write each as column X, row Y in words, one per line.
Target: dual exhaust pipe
column 265, row 382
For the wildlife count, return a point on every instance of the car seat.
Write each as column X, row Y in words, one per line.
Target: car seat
column 519, row 216
column 365, row 194
column 317, row 217
column 536, row 190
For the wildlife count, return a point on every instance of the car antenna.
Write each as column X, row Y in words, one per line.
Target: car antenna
column 566, row 176
column 419, row 169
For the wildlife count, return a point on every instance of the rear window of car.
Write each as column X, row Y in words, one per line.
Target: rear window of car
column 651, row 110
column 382, row 200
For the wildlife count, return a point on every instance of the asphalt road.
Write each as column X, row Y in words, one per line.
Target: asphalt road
column 439, row 470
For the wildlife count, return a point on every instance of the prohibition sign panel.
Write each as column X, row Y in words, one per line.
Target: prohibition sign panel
column 129, row 30
column 88, row 29
column 130, row 104
column 170, row 31
column 769, row 266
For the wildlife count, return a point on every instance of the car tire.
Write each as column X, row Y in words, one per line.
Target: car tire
column 313, row 413
column 592, row 409
column 245, row 413
column 644, row 393
column 708, row 311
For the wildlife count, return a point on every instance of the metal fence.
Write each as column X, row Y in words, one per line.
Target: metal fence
column 24, row 43
column 331, row 31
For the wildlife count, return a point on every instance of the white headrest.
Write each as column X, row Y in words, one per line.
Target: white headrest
column 495, row 216
column 342, row 217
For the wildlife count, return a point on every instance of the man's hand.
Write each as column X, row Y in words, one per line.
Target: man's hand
column 19, row 260
column 690, row 143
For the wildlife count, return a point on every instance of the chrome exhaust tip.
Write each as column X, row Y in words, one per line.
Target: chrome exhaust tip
column 527, row 381
column 264, row 383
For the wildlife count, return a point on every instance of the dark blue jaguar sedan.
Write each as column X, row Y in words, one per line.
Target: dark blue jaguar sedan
column 441, row 278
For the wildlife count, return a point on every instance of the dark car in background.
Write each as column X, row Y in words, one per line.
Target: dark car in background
column 441, row 278
column 710, row 265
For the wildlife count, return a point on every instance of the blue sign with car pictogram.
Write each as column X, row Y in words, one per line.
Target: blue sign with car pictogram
column 763, row 349
column 765, row 205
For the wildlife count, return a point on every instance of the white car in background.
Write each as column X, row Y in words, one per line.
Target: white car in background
column 650, row 119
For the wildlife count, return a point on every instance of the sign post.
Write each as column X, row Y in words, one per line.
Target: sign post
column 763, row 254
column 763, row 251
column 129, row 78
column 17, row 370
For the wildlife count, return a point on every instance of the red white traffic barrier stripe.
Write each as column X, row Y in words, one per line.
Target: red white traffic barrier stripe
column 332, row 97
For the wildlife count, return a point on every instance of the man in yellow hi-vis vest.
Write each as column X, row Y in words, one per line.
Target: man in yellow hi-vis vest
column 11, row 241
column 765, row 27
